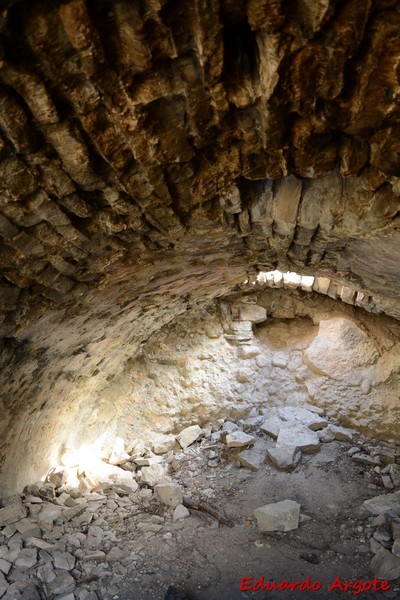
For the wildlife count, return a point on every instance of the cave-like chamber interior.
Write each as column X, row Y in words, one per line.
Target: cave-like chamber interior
column 199, row 299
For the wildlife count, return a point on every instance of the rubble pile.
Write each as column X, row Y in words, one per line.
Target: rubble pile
column 79, row 543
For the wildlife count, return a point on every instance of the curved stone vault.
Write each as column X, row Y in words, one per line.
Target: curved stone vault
column 156, row 154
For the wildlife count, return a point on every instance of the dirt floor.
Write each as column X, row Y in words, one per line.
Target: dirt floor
column 208, row 560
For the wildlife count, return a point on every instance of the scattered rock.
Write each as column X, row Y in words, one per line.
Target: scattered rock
column 341, row 433
column 284, row 457
column 168, row 493
column 189, row 435
column 383, row 503
column 365, row 459
column 304, row 416
column 281, row 516
column 154, row 474
column 385, row 565
column 63, row 560
column 180, row 512
column 251, row 459
column 238, row 439
column 118, row 455
column 252, row 423
column 327, row 435
column 216, row 426
column 62, row 583
column 394, row 472
column 164, row 444
column 26, row 558
column 271, row 426
column 12, row 513
column 300, row 436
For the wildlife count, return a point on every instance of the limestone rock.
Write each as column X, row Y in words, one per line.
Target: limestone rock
column 12, row 513
column 189, row 435
column 216, row 425
column 252, row 423
column 180, row 512
column 248, row 352
column 49, row 513
column 62, row 583
column 339, row 349
column 341, row 433
column 238, row 439
column 164, row 444
column 251, row 459
column 394, row 472
column 272, row 425
column 118, row 455
column 304, row 416
column 98, row 471
column 3, row 585
column 285, row 457
column 326, row 435
column 253, row 313
column 63, row 560
column 168, row 493
column 298, row 436
column 385, row 565
column 280, row 516
column 366, row 459
column 383, row 503
column 154, row 474
column 395, row 548
column 26, row 558
column 279, row 359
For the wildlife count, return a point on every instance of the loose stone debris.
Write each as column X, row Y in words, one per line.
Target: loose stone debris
column 165, row 515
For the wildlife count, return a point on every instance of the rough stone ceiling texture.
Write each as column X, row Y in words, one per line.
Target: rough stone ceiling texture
column 220, row 136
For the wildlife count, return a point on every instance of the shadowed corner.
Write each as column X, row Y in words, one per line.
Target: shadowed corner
column 173, row 593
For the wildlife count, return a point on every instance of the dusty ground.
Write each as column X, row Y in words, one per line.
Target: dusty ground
column 208, row 561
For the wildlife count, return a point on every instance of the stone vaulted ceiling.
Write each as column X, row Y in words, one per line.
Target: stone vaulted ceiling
column 155, row 153
column 138, row 136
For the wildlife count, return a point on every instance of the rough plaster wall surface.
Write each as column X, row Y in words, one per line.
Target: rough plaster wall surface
column 191, row 373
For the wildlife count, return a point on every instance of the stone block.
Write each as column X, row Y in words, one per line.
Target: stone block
column 12, row 512
column 284, row 457
column 383, row 503
column 238, row 439
column 385, row 565
column 271, row 426
column 280, row 516
column 298, row 435
column 189, row 435
column 168, row 493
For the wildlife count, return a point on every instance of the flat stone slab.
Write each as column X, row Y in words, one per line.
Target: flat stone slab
column 238, row 439
column 385, row 565
column 383, row 503
column 304, row 416
column 169, row 494
column 251, row 459
column 154, row 474
column 284, row 457
column 189, row 435
column 366, row 459
column 272, row 425
column 394, row 472
column 342, row 434
column 298, row 435
column 11, row 513
column 280, row 516
column 326, row 435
